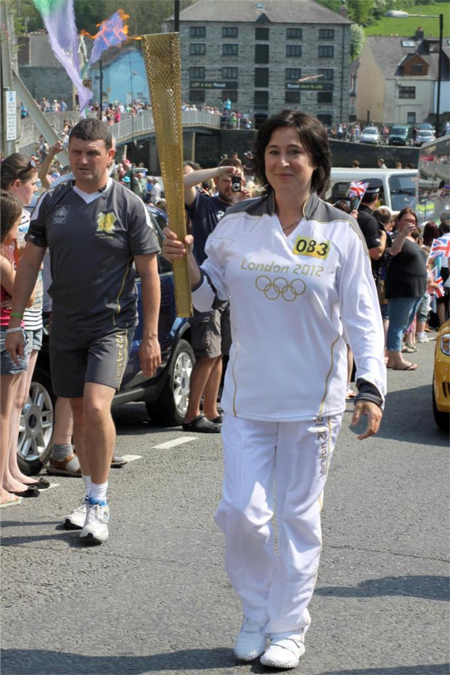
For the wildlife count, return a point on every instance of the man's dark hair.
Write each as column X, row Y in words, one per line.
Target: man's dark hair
column 193, row 165
column 92, row 129
column 445, row 226
column 312, row 135
column 342, row 206
column 370, row 197
column 229, row 161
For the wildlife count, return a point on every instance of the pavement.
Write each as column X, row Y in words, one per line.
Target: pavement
column 155, row 598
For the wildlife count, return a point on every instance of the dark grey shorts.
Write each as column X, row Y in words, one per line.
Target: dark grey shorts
column 211, row 332
column 99, row 357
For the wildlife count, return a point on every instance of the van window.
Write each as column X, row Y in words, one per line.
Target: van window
column 339, row 191
column 403, row 191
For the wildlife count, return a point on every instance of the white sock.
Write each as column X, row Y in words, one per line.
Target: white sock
column 98, row 491
column 420, row 335
column 87, row 482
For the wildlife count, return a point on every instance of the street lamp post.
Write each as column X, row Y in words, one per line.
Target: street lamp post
column 393, row 14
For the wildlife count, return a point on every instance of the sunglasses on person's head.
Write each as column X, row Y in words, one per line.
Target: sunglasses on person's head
column 31, row 165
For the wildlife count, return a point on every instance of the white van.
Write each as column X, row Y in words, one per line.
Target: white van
column 398, row 185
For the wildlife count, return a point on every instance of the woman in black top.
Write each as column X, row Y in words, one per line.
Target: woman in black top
column 406, row 283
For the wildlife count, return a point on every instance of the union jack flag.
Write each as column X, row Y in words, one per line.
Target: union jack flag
column 440, row 248
column 439, row 292
column 357, row 189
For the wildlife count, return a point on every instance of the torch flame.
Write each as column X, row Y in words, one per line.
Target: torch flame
column 112, row 31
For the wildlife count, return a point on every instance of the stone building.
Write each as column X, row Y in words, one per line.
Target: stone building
column 253, row 54
column 397, row 79
column 40, row 70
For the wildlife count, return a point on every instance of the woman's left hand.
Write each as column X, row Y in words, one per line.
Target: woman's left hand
column 374, row 415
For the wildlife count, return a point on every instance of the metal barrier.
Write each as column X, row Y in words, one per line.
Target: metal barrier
column 141, row 125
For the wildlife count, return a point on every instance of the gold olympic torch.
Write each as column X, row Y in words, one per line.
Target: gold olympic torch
column 163, row 65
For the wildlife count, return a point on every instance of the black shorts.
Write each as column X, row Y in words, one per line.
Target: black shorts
column 211, row 332
column 98, row 357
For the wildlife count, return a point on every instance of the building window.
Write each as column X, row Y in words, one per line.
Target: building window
column 326, row 50
column 229, row 32
column 261, row 33
column 261, row 77
column 325, row 119
column 261, row 53
column 230, row 73
column 197, row 49
column 198, row 31
column 407, row 92
column 197, row 73
column 230, row 50
column 416, row 68
column 325, row 97
column 293, row 33
column 293, row 74
column 326, row 34
column 292, row 97
column 197, row 96
column 230, row 94
column 261, row 99
column 411, row 118
column 328, row 73
column 293, row 50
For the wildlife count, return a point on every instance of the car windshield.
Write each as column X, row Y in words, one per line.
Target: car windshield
column 403, row 191
column 398, row 130
column 370, row 131
column 426, row 132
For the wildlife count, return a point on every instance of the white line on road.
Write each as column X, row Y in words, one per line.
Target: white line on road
column 174, row 442
column 131, row 458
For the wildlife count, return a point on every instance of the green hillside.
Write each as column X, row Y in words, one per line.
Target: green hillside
column 407, row 27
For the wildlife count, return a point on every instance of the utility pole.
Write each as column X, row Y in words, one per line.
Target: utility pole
column 176, row 16
column 8, row 96
column 441, row 30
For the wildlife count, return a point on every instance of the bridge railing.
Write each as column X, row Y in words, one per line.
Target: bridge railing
column 140, row 125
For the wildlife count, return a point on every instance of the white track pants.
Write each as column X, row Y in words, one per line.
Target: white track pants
column 294, row 459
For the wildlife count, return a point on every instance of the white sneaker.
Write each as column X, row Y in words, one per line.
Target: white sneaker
column 95, row 530
column 251, row 640
column 283, row 652
column 422, row 339
column 76, row 519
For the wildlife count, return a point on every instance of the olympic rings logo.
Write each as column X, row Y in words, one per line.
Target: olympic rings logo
column 289, row 291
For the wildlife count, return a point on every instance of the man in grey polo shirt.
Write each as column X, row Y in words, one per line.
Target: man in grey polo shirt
column 95, row 230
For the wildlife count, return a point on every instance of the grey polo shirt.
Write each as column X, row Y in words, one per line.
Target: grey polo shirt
column 92, row 240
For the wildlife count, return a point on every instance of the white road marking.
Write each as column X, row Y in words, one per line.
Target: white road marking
column 52, row 485
column 131, row 458
column 174, row 442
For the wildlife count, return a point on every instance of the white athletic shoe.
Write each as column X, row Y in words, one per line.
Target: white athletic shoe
column 76, row 519
column 251, row 640
column 423, row 339
column 283, row 652
column 95, row 530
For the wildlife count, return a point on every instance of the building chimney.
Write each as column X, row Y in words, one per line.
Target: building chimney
column 419, row 34
column 343, row 11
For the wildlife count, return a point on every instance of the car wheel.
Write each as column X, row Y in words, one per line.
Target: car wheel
column 36, row 425
column 442, row 419
column 170, row 408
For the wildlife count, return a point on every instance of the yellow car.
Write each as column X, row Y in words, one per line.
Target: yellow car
column 441, row 379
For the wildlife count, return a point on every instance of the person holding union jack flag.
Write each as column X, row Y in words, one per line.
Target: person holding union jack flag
column 406, row 284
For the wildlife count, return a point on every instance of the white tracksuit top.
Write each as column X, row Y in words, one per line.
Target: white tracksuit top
column 291, row 300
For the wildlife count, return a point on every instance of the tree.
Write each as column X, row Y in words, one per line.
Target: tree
column 360, row 10
column 358, row 38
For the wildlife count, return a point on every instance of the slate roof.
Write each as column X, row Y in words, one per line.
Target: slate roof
column 277, row 11
column 389, row 54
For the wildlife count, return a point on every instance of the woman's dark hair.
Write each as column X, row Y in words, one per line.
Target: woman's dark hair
column 11, row 208
column 312, row 135
column 342, row 206
column 406, row 210
column 92, row 129
column 16, row 166
column 430, row 233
